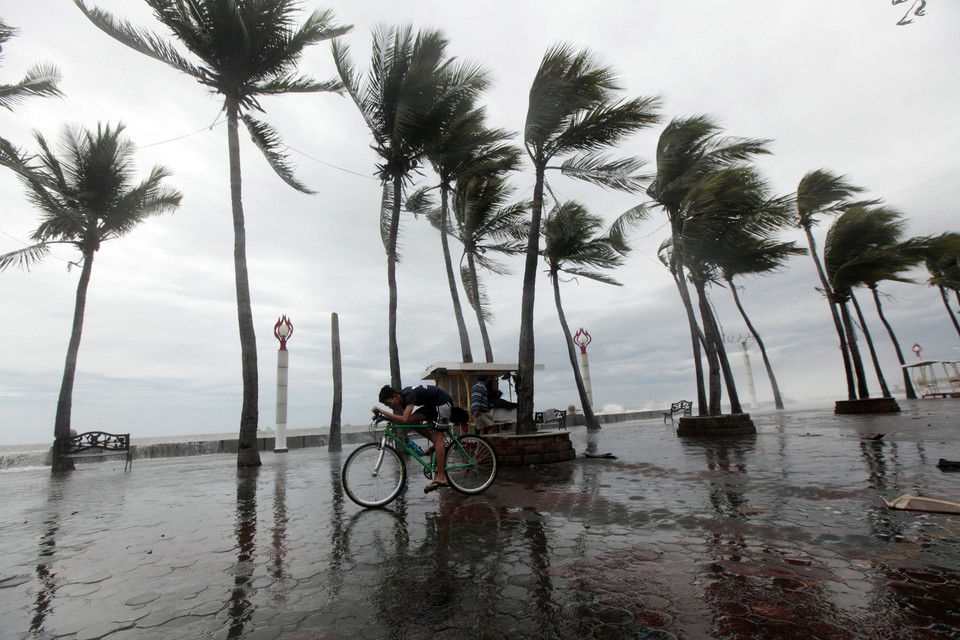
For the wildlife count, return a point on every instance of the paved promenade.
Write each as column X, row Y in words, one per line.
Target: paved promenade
column 779, row 535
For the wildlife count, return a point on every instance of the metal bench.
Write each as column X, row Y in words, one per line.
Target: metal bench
column 559, row 417
column 96, row 444
column 684, row 407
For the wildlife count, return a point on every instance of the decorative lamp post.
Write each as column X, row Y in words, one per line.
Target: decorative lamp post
column 282, row 332
column 583, row 338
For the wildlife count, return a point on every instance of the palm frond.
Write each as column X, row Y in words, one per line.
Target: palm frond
column 40, row 80
column 601, row 170
column 143, row 41
column 24, row 258
column 268, row 141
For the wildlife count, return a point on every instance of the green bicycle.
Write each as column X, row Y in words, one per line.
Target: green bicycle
column 375, row 473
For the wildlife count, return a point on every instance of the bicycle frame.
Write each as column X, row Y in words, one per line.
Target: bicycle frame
column 430, row 465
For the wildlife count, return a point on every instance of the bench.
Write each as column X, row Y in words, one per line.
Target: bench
column 560, row 417
column 683, row 407
column 96, row 444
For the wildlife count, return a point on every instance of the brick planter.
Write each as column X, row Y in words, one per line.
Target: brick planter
column 534, row 448
column 735, row 424
column 867, row 405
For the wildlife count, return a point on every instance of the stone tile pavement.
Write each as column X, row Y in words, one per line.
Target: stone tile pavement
column 779, row 535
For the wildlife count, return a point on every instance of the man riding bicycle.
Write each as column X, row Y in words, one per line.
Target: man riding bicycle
column 415, row 405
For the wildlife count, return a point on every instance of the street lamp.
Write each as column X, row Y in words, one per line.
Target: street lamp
column 583, row 338
column 744, row 342
column 282, row 332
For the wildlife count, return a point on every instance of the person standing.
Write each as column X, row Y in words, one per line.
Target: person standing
column 480, row 407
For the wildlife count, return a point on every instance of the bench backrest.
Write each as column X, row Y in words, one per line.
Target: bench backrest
column 99, row 440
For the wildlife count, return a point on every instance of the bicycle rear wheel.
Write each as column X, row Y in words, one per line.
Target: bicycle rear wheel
column 368, row 484
column 471, row 465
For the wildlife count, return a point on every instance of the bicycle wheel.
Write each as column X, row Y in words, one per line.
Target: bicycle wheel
column 368, row 485
column 471, row 465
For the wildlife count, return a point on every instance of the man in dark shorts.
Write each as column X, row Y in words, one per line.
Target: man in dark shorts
column 423, row 403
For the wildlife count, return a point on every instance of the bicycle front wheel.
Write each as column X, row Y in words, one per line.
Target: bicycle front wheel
column 373, row 477
column 471, row 464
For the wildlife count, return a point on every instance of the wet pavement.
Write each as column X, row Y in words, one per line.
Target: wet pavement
column 779, row 535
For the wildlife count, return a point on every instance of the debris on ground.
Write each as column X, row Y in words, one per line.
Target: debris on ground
column 908, row 502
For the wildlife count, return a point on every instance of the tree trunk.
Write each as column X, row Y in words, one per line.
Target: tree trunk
column 676, row 269
column 873, row 352
column 728, row 379
column 451, row 280
column 710, row 347
column 946, row 303
column 61, row 426
column 336, row 442
column 862, row 391
column 390, row 243
column 526, row 354
column 247, row 455
column 589, row 419
column 475, row 303
column 777, row 398
column 907, row 383
column 828, row 292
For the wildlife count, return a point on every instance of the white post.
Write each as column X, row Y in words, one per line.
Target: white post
column 282, row 330
column 746, row 362
column 585, row 372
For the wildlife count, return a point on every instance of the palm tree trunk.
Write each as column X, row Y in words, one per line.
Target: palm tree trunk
column 777, row 398
column 862, row 391
column 728, row 379
column 247, row 455
column 484, row 335
column 526, row 352
column 873, row 352
column 710, row 347
column 61, row 426
column 676, row 269
column 451, row 280
column 946, row 303
column 828, row 292
column 907, row 384
column 589, row 419
column 391, row 247
column 336, row 443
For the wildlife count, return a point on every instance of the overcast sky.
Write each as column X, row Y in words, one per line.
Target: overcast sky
column 835, row 85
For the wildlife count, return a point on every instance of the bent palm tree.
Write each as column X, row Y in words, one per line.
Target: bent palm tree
column 857, row 251
column 87, row 196
column 463, row 147
column 822, row 193
column 689, row 150
column 573, row 111
column 573, row 245
column 943, row 263
column 246, row 50
column 40, row 80
column 409, row 92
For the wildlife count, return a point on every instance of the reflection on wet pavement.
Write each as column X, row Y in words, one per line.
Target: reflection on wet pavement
column 780, row 535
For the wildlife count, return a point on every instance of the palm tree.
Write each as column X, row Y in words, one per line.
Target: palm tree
column 573, row 111
column 747, row 254
column 487, row 224
column 573, row 245
column 859, row 249
column 87, row 196
column 723, row 211
column 246, row 50
column 689, row 150
column 943, row 263
column 462, row 148
column 822, row 193
column 411, row 90
column 40, row 80
column 336, row 438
